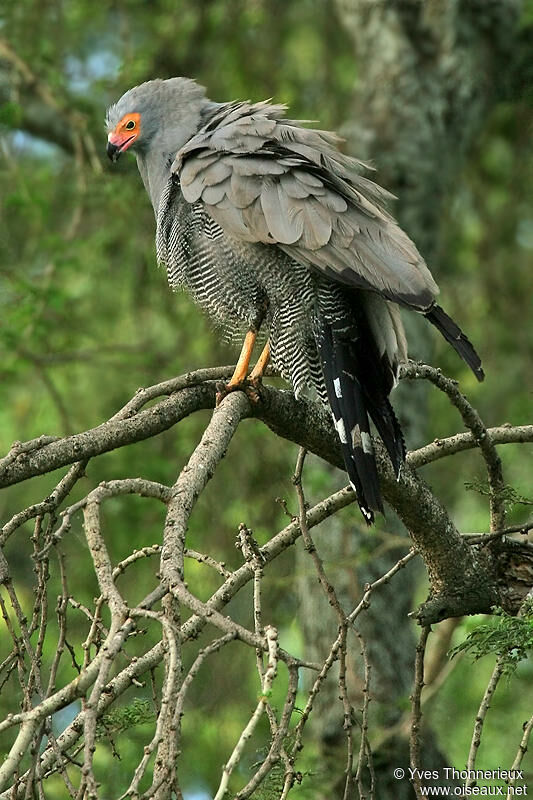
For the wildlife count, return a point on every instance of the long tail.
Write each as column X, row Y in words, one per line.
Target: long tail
column 357, row 384
column 455, row 336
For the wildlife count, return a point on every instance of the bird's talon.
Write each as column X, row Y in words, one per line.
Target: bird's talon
column 253, row 394
column 222, row 390
column 255, row 389
column 251, row 388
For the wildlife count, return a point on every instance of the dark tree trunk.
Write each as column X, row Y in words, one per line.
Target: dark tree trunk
column 428, row 74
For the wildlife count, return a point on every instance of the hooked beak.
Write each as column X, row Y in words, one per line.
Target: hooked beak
column 117, row 143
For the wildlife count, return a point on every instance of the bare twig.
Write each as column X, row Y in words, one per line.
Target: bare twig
column 52, row 502
column 371, row 587
column 416, row 711
column 276, row 747
column 271, row 635
column 166, row 713
column 522, row 750
column 203, row 654
column 473, row 421
column 333, row 600
column 190, row 629
column 485, row 538
column 497, row 672
column 365, row 753
column 30, row 720
column 203, row 558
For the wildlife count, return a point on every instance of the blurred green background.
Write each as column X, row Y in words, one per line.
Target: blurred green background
column 86, row 317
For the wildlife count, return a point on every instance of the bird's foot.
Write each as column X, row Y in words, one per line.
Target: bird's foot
column 251, row 387
column 255, row 388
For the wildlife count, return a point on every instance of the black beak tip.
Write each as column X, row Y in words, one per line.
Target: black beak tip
column 113, row 151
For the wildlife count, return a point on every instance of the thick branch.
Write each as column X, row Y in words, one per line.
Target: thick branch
column 440, row 448
column 109, row 436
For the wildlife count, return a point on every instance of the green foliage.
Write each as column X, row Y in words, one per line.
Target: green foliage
column 122, row 719
column 272, row 786
column 508, row 493
column 508, row 637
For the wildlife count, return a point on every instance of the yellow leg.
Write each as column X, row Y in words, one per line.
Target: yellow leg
column 241, row 370
column 262, row 363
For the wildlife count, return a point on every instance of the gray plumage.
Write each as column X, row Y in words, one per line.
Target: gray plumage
column 269, row 226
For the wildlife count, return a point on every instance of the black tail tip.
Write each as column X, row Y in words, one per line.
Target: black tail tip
column 364, row 507
column 458, row 340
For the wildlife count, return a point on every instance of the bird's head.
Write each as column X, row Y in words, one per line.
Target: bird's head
column 157, row 108
column 123, row 135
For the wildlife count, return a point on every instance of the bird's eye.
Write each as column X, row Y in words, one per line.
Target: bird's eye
column 130, row 125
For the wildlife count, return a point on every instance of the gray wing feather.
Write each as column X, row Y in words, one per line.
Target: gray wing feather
column 195, row 167
column 256, row 224
column 231, row 218
column 219, row 171
column 243, row 193
column 266, row 179
column 214, row 194
column 317, row 228
column 293, row 187
column 281, row 220
column 255, row 167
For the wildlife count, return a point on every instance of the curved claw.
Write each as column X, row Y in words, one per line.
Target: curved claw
column 255, row 388
column 251, row 388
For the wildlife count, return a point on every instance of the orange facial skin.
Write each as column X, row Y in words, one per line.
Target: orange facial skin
column 124, row 135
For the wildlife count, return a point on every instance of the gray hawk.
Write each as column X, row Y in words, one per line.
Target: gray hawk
column 275, row 232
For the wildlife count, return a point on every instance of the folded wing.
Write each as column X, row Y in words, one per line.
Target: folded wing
column 267, row 179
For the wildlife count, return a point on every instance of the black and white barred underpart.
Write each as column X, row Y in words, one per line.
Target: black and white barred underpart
column 342, row 343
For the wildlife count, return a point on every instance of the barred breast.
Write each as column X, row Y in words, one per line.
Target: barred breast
column 243, row 285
